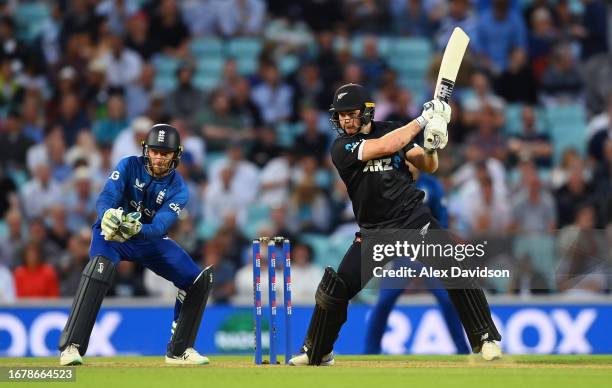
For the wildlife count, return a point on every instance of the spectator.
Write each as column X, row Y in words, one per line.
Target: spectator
column 138, row 38
column 411, row 18
column 274, row 181
column 128, row 143
column 224, row 271
column 583, row 264
column 10, row 46
column 13, row 142
column 602, row 180
column 168, row 30
column 373, row 66
column 326, row 59
column 7, row 286
column 41, row 192
column 12, row 92
column 487, row 137
column 460, row 14
column 596, row 74
column 107, row 129
column 482, row 96
column 273, row 97
column 243, row 105
column 80, row 200
column 310, row 89
column 265, row 147
column 516, row 83
column 73, row 118
column 489, row 212
column 117, row 13
column 128, row 283
column 58, row 229
column 531, row 143
column 403, row 108
column 500, row 30
column 140, row 93
column 313, row 141
column 13, row 239
column 534, row 208
column 245, row 182
column 220, row 125
column 593, row 31
column 308, row 209
column 303, row 289
column 73, row 262
column 33, row 120
column 123, row 65
column 239, row 17
column 571, row 195
column 369, row 16
column 185, row 101
column 542, row 38
column 561, row 172
column 35, row 278
column 561, row 83
column 80, row 19
column 600, row 131
column 222, row 197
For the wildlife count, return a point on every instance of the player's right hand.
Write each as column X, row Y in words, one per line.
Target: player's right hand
column 111, row 221
column 436, row 108
column 435, row 134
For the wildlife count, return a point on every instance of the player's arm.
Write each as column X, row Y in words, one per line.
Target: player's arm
column 165, row 217
column 424, row 160
column 112, row 193
column 391, row 142
column 397, row 139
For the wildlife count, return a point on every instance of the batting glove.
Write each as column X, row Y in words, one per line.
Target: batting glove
column 436, row 134
column 433, row 108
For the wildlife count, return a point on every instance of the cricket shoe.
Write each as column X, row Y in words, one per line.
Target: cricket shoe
column 190, row 357
column 302, row 360
column 71, row 356
column 490, row 351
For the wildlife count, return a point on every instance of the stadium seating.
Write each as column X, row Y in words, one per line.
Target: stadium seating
column 567, row 127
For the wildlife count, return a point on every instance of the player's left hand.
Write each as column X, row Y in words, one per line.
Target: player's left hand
column 111, row 220
column 436, row 134
column 130, row 225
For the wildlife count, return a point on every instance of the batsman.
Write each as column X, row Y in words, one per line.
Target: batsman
column 371, row 157
column 140, row 201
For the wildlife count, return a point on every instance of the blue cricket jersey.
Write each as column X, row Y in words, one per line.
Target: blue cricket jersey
column 160, row 200
column 434, row 197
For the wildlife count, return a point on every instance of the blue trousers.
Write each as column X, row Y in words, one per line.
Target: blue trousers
column 164, row 257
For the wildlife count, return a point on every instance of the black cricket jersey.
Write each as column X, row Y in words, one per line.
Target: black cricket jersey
column 383, row 192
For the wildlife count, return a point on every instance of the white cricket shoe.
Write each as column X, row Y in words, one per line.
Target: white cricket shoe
column 190, row 357
column 71, row 356
column 302, row 360
column 490, row 351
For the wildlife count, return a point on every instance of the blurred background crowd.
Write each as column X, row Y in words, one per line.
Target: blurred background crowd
column 248, row 84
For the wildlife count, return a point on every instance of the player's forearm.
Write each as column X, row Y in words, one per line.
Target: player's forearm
column 391, row 142
column 430, row 162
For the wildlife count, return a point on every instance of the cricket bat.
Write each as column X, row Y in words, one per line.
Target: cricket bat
column 451, row 61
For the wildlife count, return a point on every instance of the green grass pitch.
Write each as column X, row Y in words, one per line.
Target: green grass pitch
column 349, row 371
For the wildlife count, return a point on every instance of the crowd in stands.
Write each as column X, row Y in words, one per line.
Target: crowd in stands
column 248, row 83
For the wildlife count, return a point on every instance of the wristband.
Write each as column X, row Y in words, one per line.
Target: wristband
column 422, row 121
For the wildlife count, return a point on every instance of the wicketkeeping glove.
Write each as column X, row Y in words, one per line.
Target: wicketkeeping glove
column 111, row 221
column 131, row 225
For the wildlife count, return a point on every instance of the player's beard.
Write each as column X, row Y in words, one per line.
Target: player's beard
column 160, row 169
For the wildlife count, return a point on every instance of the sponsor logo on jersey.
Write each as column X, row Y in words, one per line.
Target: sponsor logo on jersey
column 351, row 147
column 139, row 208
column 160, row 197
column 139, row 185
column 383, row 164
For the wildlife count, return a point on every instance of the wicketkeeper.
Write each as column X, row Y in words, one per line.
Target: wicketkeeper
column 370, row 157
column 141, row 200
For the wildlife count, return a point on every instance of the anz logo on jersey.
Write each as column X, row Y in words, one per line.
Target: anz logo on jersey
column 383, row 164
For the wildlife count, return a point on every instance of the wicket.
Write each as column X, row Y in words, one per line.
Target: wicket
column 258, row 313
